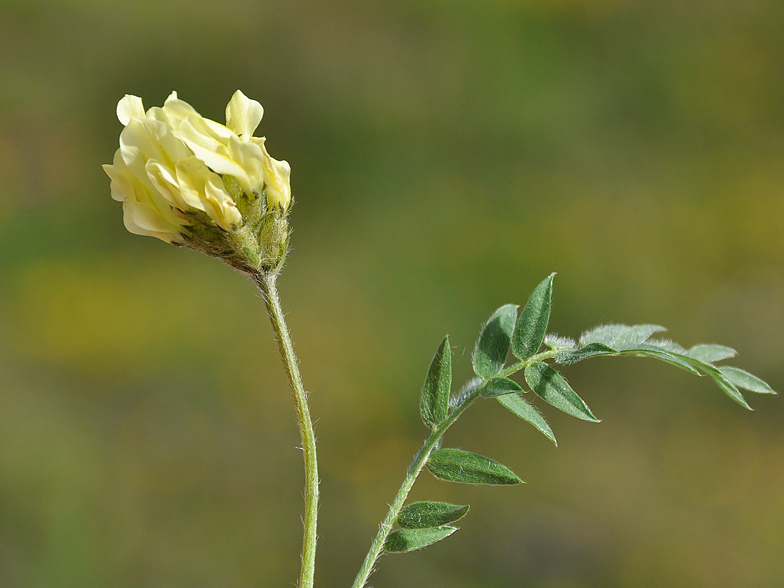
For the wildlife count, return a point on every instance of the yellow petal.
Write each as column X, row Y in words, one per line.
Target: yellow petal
column 144, row 139
column 211, row 150
column 225, row 212
column 122, row 181
column 250, row 158
column 243, row 115
column 203, row 190
column 178, row 110
column 277, row 177
column 165, row 182
column 129, row 107
column 142, row 219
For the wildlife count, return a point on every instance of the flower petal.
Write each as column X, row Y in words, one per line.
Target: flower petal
column 225, row 211
column 129, row 107
column 277, row 176
column 203, row 190
column 144, row 139
column 122, row 181
column 178, row 110
column 250, row 158
column 243, row 115
column 164, row 180
column 142, row 219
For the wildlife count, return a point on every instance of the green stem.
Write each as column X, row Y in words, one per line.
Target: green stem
column 524, row 363
column 420, row 459
column 266, row 283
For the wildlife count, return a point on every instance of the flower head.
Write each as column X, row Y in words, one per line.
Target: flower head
column 188, row 180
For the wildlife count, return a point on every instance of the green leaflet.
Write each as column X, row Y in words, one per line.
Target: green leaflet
column 711, row 353
column 423, row 515
column 725, row 384
column 456, row 465
column 494, row 341
column 745, row 380
column 405, row 540
column 635, row 340
column 694, row 366
column 526, row 411
column 551, row 387
column 531, row 325
column 498, row 387
column 590, row 350
column 675, row 359
column 434, row 405
column 620, row 336
column 559, row 343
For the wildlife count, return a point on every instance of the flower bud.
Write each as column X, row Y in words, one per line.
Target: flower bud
column 191, row 181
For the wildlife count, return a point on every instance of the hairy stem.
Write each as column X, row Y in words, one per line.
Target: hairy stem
column 420, row 459
column 267, row 284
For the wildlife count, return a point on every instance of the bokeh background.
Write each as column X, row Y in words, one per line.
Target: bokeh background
column 447, row 155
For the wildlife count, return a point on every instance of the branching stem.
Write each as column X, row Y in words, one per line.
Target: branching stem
column 420, row 459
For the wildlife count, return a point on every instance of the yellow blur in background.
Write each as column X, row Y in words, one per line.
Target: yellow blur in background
column 446, row 156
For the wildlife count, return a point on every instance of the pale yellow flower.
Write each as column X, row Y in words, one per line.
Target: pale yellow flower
column 174, row 169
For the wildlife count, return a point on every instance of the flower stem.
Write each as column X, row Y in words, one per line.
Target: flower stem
column 266, row 282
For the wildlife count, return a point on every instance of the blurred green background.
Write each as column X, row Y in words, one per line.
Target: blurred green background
column 447, row 155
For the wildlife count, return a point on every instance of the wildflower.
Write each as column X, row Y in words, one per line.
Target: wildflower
column 191, row 181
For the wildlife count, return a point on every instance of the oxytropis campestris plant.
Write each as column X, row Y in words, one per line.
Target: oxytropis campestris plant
column 191, row 181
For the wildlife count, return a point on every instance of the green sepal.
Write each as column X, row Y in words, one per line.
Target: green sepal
column 424, row 515
column 743, row 379
column 434, row 406
column 494, row 341
column 551, row 387
column 405, row 540
column 498, row 387
column 456, row 465
column 527, row 411
column 531, row 325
